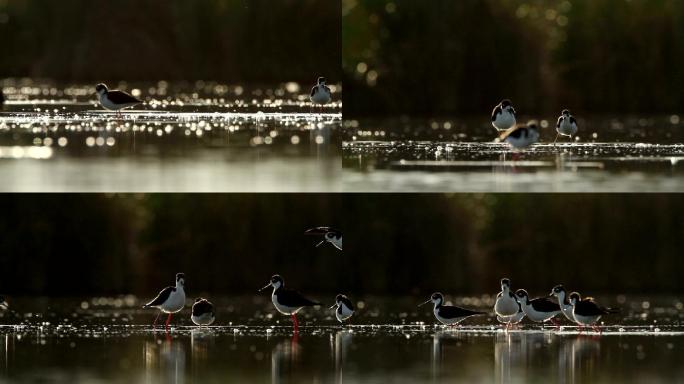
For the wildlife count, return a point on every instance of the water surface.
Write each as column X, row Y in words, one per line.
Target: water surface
column 109, row 339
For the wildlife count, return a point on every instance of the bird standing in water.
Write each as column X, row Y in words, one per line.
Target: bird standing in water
column 320, row 93
column 115, row 100
column 170, row 300
column 287, row 301
column 566, row 125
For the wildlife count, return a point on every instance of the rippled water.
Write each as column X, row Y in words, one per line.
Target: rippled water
column 200, row 136
column 631, row 155
column 109, row 339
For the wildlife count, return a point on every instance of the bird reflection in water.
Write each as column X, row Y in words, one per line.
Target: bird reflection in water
column 340, row 346
column 164, row 360
column 519, row 356
column 284, row 359
column 201, row 340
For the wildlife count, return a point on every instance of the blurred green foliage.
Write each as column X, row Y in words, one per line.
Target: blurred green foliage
column 463, row 57
column 234, row 40
column 393, row 243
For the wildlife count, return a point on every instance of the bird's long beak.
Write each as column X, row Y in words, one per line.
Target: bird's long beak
column 421, row 304
column 266, row 286
column 333, row 306
column 320, row 242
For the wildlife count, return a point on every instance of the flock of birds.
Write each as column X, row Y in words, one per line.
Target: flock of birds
column 524, row 135
column 510, row 308
column 116, row 100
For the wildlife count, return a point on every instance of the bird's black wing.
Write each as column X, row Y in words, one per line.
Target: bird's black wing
column 560, row 119
column 544, row 304
column 320, row 231
column 202, row 307
column 588, row 308
column 161, row 297
column 314, row 90
column 572, row 120
column 294, row 299
column 496, row 111
column 451, row 312
column 120, row 97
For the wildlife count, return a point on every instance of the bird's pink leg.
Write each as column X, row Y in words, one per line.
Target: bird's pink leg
column 155, row 320
column 168, row 320
column 296, row 323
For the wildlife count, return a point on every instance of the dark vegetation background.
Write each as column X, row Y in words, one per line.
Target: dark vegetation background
column 462, row 57
column 394, row 244
column 258, row 41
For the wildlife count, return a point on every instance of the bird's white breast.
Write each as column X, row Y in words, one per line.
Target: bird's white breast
column 343, row 312
column 513, row 319
column 567, row 310
column 586, row 320
column 504, row 120
column 505, row 306
column 203, row 319
column 567, row 128
column 322, row 96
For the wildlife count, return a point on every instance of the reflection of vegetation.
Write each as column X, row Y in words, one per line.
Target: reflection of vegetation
column 237, row 40
column 91, row 244
column 443, row 56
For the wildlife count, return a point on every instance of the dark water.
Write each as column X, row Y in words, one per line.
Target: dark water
column 201, row 136
column 613, row 155
column 109, row 339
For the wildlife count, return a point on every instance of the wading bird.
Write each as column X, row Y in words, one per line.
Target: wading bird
column 503, row 115
column 521, row 136
column 203, row 312
column 287, row 301
column 115, row 100
column 566, row 125
column 559, row 292
column 538, row 310
column 587, row 312
column 170, row 300
column 344, row 309
column 449, row 314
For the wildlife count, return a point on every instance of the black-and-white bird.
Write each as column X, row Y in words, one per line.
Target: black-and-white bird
column 3, row 304
column 287, row 301
column 559, row 292
column 506, row 307
column 587, row 312
column 521, row 136
column 503, row 115
column 115, row 100
column 203, row 312
column 170, row 300
column 449, row 314
column 506, row 304
column 344, row 308
column 538, row 310
column 330, row 235
column 566, row 125
column 320, row 93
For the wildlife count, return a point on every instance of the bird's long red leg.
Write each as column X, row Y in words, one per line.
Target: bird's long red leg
column 168, row 320
column 296, row 323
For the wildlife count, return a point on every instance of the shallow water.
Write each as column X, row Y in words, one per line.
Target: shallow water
column 634, row 155
column 186, row 137
column 109, row 339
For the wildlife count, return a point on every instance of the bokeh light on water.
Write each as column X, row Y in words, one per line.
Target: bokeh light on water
column 202, row 136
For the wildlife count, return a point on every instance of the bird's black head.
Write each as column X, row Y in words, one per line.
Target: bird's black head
column 277, row 280
column 198, row 299
column 339, row 298
column 101, row 88
column 505, row 282
column 566, row 112
column 505, row 103
column 321, row 80
column 574, row 297
column 437, row 297
column 558, row 289
column 521, row 294
column 180, row 278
